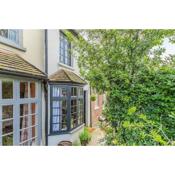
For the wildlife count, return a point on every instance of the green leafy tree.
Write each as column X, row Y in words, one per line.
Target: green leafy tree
column 139, row 83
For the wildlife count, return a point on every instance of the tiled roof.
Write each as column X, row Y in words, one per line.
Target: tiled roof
column 65, row 76
column 12, row 63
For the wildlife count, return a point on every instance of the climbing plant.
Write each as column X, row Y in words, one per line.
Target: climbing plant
column 139, row 81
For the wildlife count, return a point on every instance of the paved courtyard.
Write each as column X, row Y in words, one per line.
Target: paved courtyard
column 98, row 137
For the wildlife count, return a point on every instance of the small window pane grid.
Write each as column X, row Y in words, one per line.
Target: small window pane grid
column 65, row 50
column 67, row 112
column 59, row 109
column 10, row 34
column 28, row 124
column 27, row 132
column 7, row 125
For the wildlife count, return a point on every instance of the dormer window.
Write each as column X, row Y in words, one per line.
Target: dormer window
column 65, row 50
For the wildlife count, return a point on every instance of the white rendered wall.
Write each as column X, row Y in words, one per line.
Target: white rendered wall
column 73, row 137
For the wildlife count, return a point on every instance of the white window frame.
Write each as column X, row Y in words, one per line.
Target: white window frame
column 63, row 62
column 16, row 101
column 18, row 44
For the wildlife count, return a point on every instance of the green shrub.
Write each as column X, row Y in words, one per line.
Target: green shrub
column 130, row 66
column 85, row 137
column 147, row 116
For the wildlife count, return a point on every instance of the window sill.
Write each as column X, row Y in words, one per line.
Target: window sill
column 11, row 44
column 66, row 66
column 76, row 129
column 67, row 132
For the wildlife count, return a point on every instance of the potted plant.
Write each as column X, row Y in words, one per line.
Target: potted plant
column 85, row 137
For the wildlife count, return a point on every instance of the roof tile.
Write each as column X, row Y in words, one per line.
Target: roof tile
column 14, row 64
column 63, row 75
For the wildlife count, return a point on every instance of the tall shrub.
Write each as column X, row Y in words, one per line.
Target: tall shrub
column 139, row 82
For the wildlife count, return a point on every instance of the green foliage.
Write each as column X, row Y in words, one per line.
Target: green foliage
column 93, row 97
column 85, row 137
column 139, row 83
column 154, row 119
column 132, row 110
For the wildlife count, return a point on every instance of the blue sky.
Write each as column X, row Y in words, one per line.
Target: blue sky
column 170, row 48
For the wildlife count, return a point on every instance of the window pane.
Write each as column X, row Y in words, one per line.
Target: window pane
column 23, row 89
column 81, row 111
column 74, row 116
column 56, row 111
column 74, row 91
column 55, row 115
column 24, row 123
column 56, row 104
column 7, row 89
column 61, row 57
column 59, row 115
column 24, row 135
column 64, row 92
column 23, row 109
column 10, row 34
column 80, row 92
column 74, row 120
column 56, row 91
column 4, row 33
column 55, row 127
column 55, row 119
column 25, row 143
column 65, row 56
column 56, row 108
column 64, row 122
column 59, row 92
column 14, row 35
column 34, row 131
column 33, row 142
column 33, row 108
column 7, row 112
column 7, row 127
column 32, row 89
column 64, row 107
column 7, row 140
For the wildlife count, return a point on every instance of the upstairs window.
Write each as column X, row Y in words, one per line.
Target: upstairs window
column 10, row 35
column 65, row 50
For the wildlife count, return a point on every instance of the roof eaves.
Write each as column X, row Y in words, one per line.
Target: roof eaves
column 22, row 74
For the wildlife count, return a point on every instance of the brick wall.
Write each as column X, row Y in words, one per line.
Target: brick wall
column 96, row 111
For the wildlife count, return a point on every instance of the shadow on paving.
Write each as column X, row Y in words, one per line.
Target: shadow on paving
column 98, row 137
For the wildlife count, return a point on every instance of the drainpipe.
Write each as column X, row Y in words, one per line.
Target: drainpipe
column 46, row 51
column 46, row 87
column 90, row 108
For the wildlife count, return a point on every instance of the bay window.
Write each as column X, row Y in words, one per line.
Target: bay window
column 19, row 112
column 67, row 108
